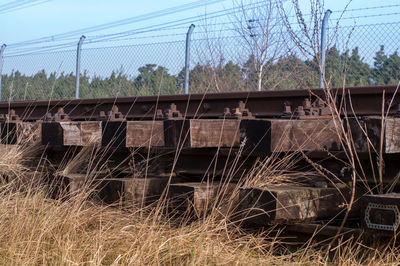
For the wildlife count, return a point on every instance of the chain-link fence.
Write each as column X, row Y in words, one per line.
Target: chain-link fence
column 229, row 57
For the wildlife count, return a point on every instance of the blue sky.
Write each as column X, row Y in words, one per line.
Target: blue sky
column 58, row 16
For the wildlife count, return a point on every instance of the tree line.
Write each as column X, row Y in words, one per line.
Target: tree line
column 289, row 72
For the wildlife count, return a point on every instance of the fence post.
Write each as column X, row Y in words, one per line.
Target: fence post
column 3, row 47
column 187, row 58
column 78, row 65
column 323, row 47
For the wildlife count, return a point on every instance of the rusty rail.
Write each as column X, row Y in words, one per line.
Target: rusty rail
column 359, row 101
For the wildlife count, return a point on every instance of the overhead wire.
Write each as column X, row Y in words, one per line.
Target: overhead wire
column 185, row 21
column 152, row 28
column 222, row 12
column 20, row 4
column 117, row 23
column 14, row 4
column 104, row 26
column 173, row 25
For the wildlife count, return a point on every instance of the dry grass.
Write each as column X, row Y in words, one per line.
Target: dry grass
column 39, row 230
column 12, row 159
column 36, row 230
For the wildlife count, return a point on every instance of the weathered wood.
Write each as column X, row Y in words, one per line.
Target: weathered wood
column 52, row 134
column 66, row 185
column 288, row 204
column 356, row 128
column 391, row 133
column 80, row 133
column 323, row 230
column 205, row 133
column 257, row 135
column 128, row 191
column 176, row 133
column 199, row 198
column 90, row 132
column 29, row 132
column 265, row 135
column 113, row 134
column 75, row 183
column 9, row 133
column 143, row 191
column 20, row 132
column 305, row 135
column 273, row 135
column 71, row 134
column 145, row 133
column 216, row 133
column 107, row 190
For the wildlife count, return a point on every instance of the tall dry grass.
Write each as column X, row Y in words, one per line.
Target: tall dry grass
column 39, row 230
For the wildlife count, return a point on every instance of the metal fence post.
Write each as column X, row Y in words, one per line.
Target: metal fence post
column 3, row 47
column 187, row 58
column 78, row 65
column 323, row 47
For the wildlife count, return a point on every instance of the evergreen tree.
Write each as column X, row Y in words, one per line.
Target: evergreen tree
column 232, row 77
column 288, row 73
column 358, row 72
column 152, row 80
column 386, row 69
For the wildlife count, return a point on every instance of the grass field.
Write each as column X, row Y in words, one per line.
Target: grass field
column 39, row 230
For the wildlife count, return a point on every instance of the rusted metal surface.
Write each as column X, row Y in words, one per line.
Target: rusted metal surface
column 381, row 214
column 113, row 115
column 364, row 101
column 172, row 112
column 308, row 110
column 11, row 116
column 240, row 112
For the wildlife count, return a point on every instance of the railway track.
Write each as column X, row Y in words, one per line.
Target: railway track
column 268, row 104
column 339, row 135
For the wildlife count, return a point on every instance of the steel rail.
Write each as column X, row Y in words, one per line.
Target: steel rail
column 358, row 101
